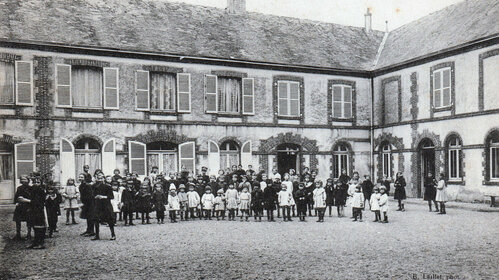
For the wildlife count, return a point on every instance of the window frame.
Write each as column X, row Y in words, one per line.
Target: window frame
column 239, row 105
column 492, row 148
column 440, row 72
column 330, row 103
column 342, row 101
column 153, row 110
column 288, row 98
column 338, row 153
column 456, row 148
column 86, row 106
column 16, row 83
column 436, row 69
column 14, row 98
column 386, row 161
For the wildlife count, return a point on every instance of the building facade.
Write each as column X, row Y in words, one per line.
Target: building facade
column 282, row 94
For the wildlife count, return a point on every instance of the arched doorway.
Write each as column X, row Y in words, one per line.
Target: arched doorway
column 229, row 154
column 426, row 164
column 288, row 157
column 162, row 155
column 7, row 187
column 87, row 152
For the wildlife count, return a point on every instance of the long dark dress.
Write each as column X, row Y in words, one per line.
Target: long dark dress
column 53, row 210
column 144, row 202
column 36, row 207
column 367, row 189
column 257, row 200
column 87, row 200
column 340, row 195
column 103, row 210
column 400, row 188
column 21, row 212
column 301, row 200
column 159, row 200
column 330, row 193
column 430, row 192
column 270, row 198
column 128, row 200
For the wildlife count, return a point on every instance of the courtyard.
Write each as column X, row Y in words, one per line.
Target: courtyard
column 414, row 245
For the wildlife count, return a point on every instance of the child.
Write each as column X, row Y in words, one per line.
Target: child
column 284, row 198
column 441, row 196
column 173, row 203
column 309, row 188
column 357, row 203
column 144, row 202
column 374, row 202
column 103, row 208
column 320, row 201
column 232, row 196
column 257, row 201
column 128, row 202
column 207, row 201
column 340, row 195
column 245, row 201
column 383, row 203
column 330, row 195
column 52, row 202
column 116, row 175
column 192, row 201
column 220, row 205
column 301, row 202
column 121, row 188
column 115, row 202
column 71, row 195
column 270, row 202
column 182, row 197
column 159, row 201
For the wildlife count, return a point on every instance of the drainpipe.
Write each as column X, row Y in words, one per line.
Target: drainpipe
column 372, row 129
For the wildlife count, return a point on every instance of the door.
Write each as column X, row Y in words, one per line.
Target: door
column 288, row 158
column 6, row 173
column 427, row 163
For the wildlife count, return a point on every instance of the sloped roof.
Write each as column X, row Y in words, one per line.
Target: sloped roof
column 177, row 28
column 450, row 27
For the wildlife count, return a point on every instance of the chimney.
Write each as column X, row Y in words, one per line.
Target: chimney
column 236, row 6
column 367, row 20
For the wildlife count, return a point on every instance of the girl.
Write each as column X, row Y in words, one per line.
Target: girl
column 329, row 195
column 284, row 198
column 245, row 201
column 22, row 200
column 173, row 204
column 128, row 202
column 220, row 204
column 374, row 203
column 143, row 198
column 340, row 198
column 115, row 202
column 208, row 200
column 289, row 188
column 257, row 201
column 357, row 204
column 232, row 196
column 320, row 201
column 52, row 202
column 441, row 196
column 383, row 203
column 399, row 194
column 159, row 200
column 270, row 201
column 430, row 191
column 352, row 188
column 192, row 201
column 103, row 210
column 182, row 197
column 71, row 195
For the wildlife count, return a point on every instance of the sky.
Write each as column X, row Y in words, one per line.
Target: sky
column 346, row 12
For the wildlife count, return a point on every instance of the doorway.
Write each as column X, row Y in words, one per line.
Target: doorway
column 288, row 158
column 7, row 187
column 427, row 163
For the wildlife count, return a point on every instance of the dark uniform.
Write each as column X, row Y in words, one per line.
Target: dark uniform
column 257, row 201
column 22, row 208
column 128, row 200
column 87, row 208
column 143, row 205
column 37, row 215
column 159, row 199
column 270, row 201
column 301, row 200
column 103, row 209
column 52, row 203
column 367, row 189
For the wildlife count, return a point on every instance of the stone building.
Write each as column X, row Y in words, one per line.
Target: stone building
column 132, row 85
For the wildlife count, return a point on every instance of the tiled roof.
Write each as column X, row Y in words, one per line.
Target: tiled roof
column 452, row 26
column 177, row 28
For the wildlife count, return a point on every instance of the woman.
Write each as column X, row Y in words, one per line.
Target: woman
column 87, row 200
column 37, row 214
column 103, row 210
column 21, row 213
column 429, row 191
column 399, row 194
column 441, row 196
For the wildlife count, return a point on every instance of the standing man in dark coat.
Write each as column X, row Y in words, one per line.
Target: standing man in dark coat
column 87, row 200
column 21, row 213
column 37, row 214
column 367, row 188
column 103, row 210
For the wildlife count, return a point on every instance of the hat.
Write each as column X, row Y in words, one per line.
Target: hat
column 172, row 187
column 204, row 168
column 220, row 191
column 208, row 188
column 382, row 188
column 181, row 186
column 277, row 176
column 129, row 182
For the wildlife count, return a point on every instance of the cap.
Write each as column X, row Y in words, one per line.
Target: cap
column 208, row 188
column 204, row 168
column 220, row 191
column 382, row 188
column 172, row 187
column 180, row 187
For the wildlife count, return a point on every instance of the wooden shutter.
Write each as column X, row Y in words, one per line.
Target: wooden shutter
column 142, row 90
column 248, row 96
column 109, row 156
column 67, row 161
column 184, row 92
column 137, row 157
column 24, row 83
column 337, row 101
column 63, row 85
column 111, row 89
column 187, row 156
column 211, row 93
column 213, row 158
column 246, row 157
column 25, row 158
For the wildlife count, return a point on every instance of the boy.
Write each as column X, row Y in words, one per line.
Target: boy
column 257, row 201
column 301, row 202
column 357, row 204
column 52, row 202
column 173, row 203
column 128, row 203
column 284, row 199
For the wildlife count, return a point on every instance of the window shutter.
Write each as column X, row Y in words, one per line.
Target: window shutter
column 142, row 90
column 137, row 157
column 184, row 92
column 63, row 85
column 211, row 93
column 187, row 156
column 66, row 161
column 25, row 157
column 24, row 83
column 246, row 157
column 282, row 94
column 111, row 89
column 109, row 156
column 248, row 96
column 294, row 96
column 213, row 158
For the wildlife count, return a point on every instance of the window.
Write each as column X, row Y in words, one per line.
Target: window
column 161, row 91
column 454, row 158
column 340, row 160
column 342, row 101
column 7, row 81
column 229, row 154
column 6, row 163
column 442, row 88
column 288, row 98
column 162, row 155
column 229, row 95
column 86, row 86
column 494, row 158
column 16, row 83
column 87, row 152
column 386, row 158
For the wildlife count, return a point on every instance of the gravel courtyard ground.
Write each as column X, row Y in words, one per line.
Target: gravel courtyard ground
column 414, row 245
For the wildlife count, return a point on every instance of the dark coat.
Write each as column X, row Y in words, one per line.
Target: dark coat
column 301, row 200
column 36, row 207
column 430, row 192
column 128, row 200
column 143, row 202
column 310, row 193
column 367, row 189
column 103, row 210
column 159, row 200
column 52, row 205
column 257, row 200
column 340, row 195
column 400, row 188
column 270, row 198
column 87, row 200
column 21, row 212
column 88, row 177
column 330, row 193
column 386, row 183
